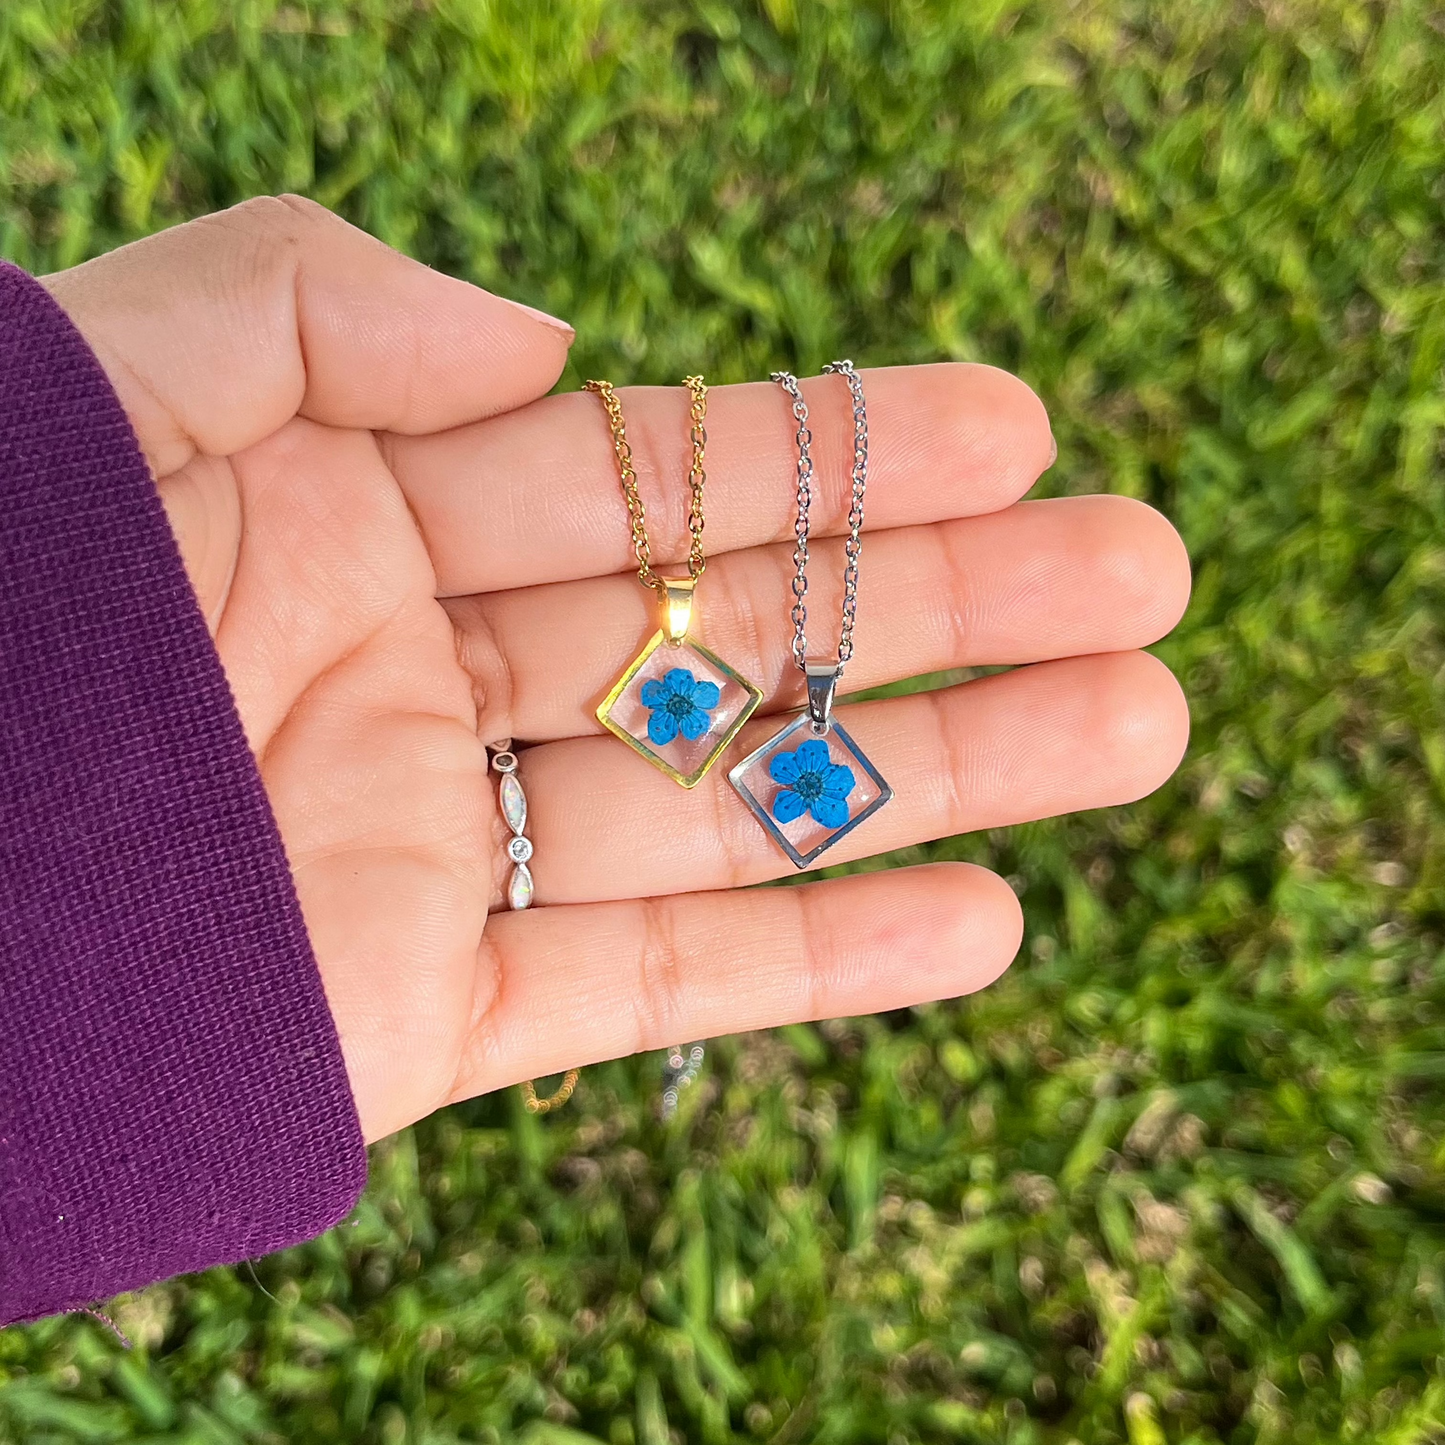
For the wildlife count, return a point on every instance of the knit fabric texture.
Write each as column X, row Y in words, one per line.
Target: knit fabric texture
column 172, row 1091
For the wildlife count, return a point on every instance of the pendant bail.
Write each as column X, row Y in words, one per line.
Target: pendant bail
column 676, row 594
column 822, row 684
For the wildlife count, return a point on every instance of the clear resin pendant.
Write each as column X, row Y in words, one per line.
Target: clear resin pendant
column 678, row 704
column 808, row 790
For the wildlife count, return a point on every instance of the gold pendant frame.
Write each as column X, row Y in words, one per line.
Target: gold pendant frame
column 738, row 700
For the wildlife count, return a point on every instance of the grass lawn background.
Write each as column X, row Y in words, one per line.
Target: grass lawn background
column 1180, row 1176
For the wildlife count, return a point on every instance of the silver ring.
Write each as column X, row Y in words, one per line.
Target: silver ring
column 520, row 887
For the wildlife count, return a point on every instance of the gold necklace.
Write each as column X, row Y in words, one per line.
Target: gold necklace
column 677, row 704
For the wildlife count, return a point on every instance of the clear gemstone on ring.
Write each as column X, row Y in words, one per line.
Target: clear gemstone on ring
column 519, row 894
column 519, row 850
column 514, row 803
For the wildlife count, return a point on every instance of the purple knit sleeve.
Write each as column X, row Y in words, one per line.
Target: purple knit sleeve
column 172, row 1091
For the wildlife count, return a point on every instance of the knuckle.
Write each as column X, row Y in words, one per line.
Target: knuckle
column 953, row 747
column 738, row 838
column 308, row 209
column 656, row 999
column 282, row 222
column 488, row 664
column 268, row 215
column 748, row 620
column 816, row 985
column 480, row 1055
column 262, row 239
column 957, row 569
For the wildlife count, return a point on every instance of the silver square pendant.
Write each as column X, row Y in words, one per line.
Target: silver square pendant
column 807, row 790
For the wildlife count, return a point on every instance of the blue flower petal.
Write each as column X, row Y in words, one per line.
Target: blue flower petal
column 813, row 756
column 830, row 812
column 695, row 724
column 788, row 805
column 783, row 768
column 662, row 727
column 653, row 693
column 679, row 679
column 706, row 695
column 838, row 781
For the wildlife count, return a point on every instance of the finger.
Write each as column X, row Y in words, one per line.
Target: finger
column 534, row 496
column 1054, row 738
column 615, row 978
column 1038, row 580
column 217, row 332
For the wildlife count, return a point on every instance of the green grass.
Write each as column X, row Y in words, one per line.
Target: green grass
column 1180, row 1176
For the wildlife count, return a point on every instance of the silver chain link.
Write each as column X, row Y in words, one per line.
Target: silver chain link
column 789, row 383
column 854, row 545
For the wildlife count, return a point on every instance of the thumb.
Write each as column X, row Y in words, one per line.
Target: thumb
column 219, row 331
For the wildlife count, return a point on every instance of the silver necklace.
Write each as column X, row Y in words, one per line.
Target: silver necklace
column 810, row 784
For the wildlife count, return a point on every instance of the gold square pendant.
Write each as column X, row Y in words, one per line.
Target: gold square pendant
column 679, row 705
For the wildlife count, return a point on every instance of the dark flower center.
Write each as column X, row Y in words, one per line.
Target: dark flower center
column 679, row 705
column 809, row 786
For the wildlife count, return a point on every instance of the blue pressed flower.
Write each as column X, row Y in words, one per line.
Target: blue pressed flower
column 680, row 704
column 812, row 783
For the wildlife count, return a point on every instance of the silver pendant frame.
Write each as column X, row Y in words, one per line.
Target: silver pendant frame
column 804, row 723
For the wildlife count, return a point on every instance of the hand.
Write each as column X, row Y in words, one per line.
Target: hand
column 405, row 549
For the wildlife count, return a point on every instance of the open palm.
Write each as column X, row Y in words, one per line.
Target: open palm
column 404, row 549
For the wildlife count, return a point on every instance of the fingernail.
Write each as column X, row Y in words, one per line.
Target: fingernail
column 1053, row 452
column 556, row 323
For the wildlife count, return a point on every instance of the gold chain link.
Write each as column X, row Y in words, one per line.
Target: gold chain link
column 552, row 1101
column 696, row 479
